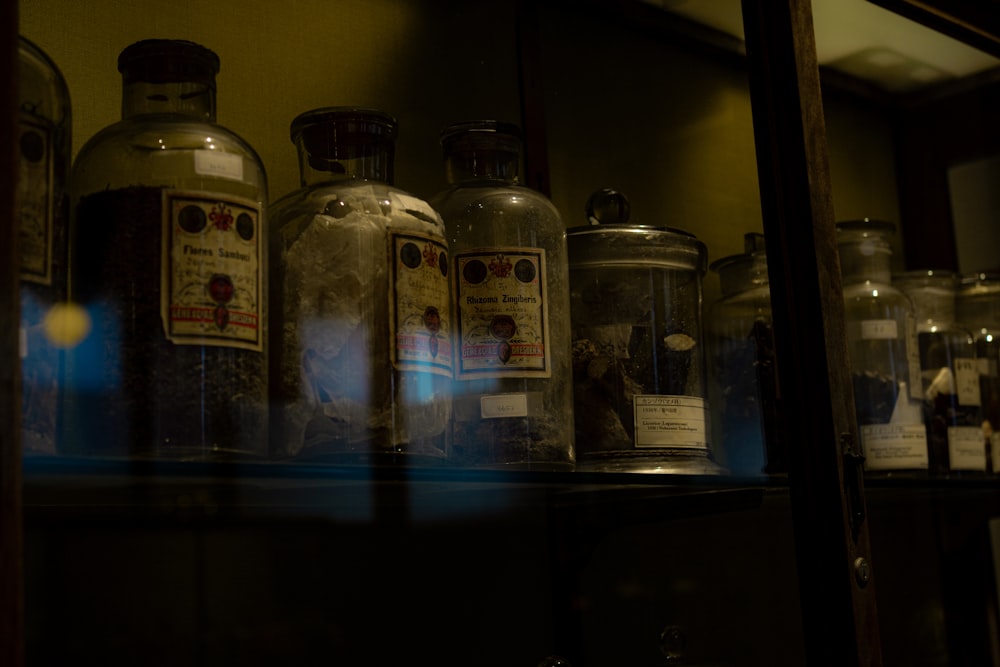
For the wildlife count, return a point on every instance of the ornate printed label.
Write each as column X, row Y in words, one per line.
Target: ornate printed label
column 502, row 313
column 211, row 287
column 894, row 446
column 419, row 304
column 670, row 421
column 36, row 202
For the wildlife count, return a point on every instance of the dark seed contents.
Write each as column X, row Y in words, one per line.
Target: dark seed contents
column 130, row 391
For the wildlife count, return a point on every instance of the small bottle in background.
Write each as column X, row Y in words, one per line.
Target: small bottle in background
column 743, row 375
column 882, row 352
column 949, row 374
column 977, row 308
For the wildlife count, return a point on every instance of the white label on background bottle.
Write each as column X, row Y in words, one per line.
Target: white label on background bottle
column 894, row 446
column 419, row 304
column 670, row 421
column 211, row 286
column 967, row 381
column 502, row 314
column 221, row 165
column 35, row 182
column 913, row 358
column 966, row 449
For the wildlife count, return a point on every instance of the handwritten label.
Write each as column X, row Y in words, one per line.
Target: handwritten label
column 222, row 165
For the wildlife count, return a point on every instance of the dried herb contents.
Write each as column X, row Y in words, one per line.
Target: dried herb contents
column 137, row 392
column 638, row 358
column 361, row 312
column 168, row 263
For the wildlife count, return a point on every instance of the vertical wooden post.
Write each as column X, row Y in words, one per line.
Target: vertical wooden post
column 826, row 485
column 11, row 588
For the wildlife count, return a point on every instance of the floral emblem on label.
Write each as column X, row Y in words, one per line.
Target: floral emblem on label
column 430, row 255
column 221, row 217
column 500, row 266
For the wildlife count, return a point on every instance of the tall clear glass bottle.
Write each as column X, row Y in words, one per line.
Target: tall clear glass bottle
column 977, row 308
column 743, row 385
column 513, row 394
column 882, row 351
column 949, row 374
column 44, row 145
column 362, row 309
column 168, row 259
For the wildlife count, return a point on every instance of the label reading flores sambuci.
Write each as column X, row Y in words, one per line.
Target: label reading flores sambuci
column 211, row 283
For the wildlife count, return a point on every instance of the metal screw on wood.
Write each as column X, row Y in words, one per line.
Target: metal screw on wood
column 862, row 571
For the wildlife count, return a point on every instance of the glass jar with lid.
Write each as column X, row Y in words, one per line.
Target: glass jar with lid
column 743, row 381
column 44, row 143
column 168, row 261
column 638, row 352
column 949, row 375
column 882, row 351
column 361, row 304
column 978, row 309
column 513, row 392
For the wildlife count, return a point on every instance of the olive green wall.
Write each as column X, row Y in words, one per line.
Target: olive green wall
column 670, row 128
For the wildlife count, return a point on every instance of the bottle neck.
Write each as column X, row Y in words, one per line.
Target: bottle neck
column 195, row 100
column 353, row 163
column 482, row 165
column 865, row 261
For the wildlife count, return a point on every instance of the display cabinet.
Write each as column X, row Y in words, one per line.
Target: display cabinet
column 717, row 124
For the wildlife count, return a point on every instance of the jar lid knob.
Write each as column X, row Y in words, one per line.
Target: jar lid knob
column 608, row 206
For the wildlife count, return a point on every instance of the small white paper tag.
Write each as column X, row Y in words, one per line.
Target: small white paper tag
column 503, row 405
column 214, row 163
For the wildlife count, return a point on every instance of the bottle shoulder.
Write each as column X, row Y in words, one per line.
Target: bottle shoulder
column 166, row 150
column 513, row 204
column 355, row 202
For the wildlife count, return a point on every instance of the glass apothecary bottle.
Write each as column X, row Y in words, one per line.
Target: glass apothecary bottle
column 362, row 308
column 639, row 375
column 882, row 351
column 169, row 262
column 977, row 308
column 949, row 374
column 513, row 393
column 43, row 150
column 743, row 376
